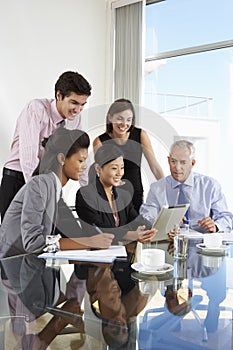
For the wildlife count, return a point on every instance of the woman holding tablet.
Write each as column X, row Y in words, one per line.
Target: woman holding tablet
column 106, row 205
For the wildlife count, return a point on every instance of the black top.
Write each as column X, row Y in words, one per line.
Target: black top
column 132, row 151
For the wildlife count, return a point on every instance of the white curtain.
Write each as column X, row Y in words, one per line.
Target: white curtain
column 128, row 52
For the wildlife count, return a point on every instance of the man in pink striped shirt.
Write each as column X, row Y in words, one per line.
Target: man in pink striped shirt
column 37, row 121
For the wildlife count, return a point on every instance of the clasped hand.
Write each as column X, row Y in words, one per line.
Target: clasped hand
column 208, row 224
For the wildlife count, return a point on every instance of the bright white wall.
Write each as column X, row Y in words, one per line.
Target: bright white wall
column 38, row 41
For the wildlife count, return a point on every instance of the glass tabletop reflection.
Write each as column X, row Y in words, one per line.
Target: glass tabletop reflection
column 113, row 306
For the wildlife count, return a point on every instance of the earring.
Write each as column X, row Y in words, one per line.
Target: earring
column 97, row 173
column 62, row 163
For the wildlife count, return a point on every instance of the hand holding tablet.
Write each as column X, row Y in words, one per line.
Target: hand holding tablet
column 166, row 220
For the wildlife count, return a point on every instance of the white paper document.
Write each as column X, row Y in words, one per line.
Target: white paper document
column 99, row 255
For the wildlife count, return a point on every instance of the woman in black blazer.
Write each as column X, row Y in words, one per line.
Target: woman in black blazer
column 104, row 205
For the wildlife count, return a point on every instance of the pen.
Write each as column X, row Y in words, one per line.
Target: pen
column 99, row 231
column 97, row 228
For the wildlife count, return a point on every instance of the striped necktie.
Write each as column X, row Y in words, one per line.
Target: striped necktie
column 61, row 124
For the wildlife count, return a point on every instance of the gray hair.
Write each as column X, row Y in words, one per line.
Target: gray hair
column 185, row 144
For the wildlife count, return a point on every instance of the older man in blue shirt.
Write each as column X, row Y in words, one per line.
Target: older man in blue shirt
column 208, row 208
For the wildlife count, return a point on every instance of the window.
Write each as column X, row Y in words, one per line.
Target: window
column 189, row 82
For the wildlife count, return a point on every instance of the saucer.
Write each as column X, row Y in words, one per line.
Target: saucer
column 220, row 249
column 159, row 271
column 141, row 277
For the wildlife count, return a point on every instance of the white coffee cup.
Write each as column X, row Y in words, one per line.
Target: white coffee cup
column 212, row 240
column 152, row 259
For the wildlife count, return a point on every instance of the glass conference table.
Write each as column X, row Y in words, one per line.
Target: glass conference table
column 60, row 305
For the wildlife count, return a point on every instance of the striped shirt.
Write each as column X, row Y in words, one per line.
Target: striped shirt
column 37, row 121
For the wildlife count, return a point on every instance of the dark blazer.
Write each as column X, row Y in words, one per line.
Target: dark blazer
column 92, row 207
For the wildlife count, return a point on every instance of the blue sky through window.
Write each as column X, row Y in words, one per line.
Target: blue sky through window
column 178, row 24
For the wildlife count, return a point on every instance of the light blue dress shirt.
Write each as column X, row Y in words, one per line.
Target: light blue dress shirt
column 205, row 197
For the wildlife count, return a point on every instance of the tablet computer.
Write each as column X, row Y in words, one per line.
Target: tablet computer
column 167, row 218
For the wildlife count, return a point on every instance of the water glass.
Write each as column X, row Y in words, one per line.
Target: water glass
column 180, row 246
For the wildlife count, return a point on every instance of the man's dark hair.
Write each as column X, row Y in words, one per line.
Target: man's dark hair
column 70, row 82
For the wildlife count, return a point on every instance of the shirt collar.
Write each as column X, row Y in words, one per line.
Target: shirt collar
column 56, row 116
column 58, row 186
column 188, row 181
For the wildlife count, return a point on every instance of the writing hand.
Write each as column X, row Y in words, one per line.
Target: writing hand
column 101, row 240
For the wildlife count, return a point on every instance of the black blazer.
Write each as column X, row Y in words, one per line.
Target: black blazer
column 93, row 207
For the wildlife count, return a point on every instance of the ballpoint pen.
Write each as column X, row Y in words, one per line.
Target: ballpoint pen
column 97, row 228
column 99, row 231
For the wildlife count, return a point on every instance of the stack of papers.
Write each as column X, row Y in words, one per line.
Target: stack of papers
column 99, row 255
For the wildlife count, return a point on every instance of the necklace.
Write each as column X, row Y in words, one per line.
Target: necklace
column 114, row 210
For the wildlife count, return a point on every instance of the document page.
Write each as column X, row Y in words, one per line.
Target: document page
column 98, row 255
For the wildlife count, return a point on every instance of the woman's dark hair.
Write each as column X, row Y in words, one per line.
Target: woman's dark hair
column 70, row 82
column 106, row 154
column 118, row 106
column 63, row 141
column 114, row 341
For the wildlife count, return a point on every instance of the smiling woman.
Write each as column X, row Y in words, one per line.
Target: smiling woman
column 133, row 142
column 105, row 204
column 32, row 215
